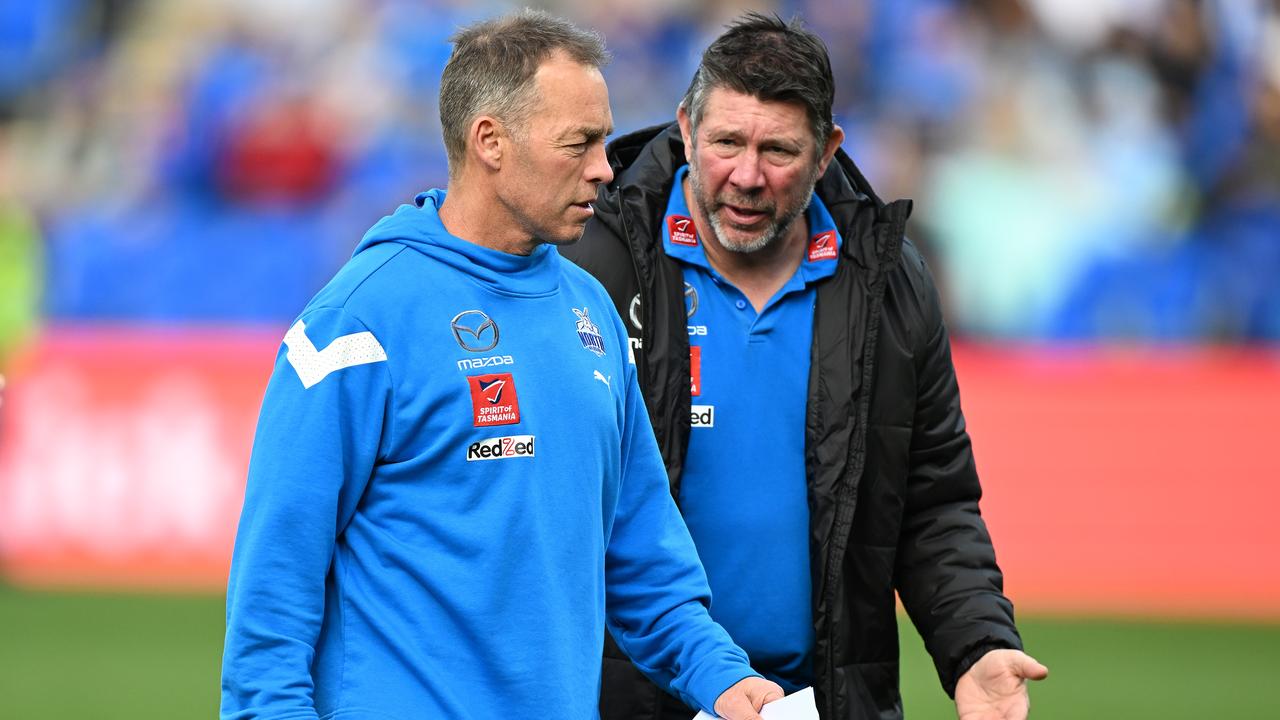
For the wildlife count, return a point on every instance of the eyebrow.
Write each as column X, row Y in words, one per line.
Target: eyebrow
column 738, row 134
column 589, row 134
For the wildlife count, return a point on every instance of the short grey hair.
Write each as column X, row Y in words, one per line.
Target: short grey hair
column 491, row 69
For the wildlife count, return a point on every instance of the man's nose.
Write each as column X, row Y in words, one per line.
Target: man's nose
column 746, row 175
column 598, row 170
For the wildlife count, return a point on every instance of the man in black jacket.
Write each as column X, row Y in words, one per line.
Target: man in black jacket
column 795, row 363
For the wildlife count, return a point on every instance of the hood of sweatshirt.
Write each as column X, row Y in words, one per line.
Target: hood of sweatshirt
column 418, row 227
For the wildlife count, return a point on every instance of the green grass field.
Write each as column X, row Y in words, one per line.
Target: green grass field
column 105, row 657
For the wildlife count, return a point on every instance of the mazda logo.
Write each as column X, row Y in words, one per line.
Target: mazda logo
column 635, row 311
column 690, row 305
column 469, row 328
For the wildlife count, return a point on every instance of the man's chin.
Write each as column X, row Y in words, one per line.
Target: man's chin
column 746, row 247
column 567, row 237
column 741, row 241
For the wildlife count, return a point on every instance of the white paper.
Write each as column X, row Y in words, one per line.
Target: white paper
column 796, row 706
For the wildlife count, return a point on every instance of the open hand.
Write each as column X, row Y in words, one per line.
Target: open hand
column 995, row 688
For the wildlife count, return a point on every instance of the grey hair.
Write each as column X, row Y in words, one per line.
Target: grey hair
column 491, row 69
column 772, row 60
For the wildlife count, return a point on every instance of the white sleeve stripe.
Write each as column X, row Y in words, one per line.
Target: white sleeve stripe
column 313, row 366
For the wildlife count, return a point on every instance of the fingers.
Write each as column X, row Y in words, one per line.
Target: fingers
column 738, row 707
column 744, row 699
column 768, row 698
column 764, row 698
column 763, row 693
column 1029, row 668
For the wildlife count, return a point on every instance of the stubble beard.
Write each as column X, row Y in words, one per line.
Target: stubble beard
column 776, row 229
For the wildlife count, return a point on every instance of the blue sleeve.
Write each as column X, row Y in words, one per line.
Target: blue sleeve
column 657, row 592
column 324, row 418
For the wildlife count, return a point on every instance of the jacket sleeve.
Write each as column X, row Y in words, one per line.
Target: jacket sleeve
column 657, row 592
column 946, row 571
column 318, row 436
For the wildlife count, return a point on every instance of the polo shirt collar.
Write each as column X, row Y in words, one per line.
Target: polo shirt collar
column 681, row 240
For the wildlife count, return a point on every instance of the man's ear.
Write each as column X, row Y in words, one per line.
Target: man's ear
column 833, row 144
column 686, row 131
column 486, row 138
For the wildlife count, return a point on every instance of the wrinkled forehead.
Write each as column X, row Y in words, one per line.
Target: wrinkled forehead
column 728, row 111
column 571, row 98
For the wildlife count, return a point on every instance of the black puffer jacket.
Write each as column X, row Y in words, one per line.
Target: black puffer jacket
column 893, row 491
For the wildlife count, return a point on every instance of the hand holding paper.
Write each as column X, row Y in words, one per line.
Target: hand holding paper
column 797, row 706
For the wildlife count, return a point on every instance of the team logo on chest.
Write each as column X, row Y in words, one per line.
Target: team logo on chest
column 682, row 231
column 474, row 331
column 493, row 399
column 588, row 333
column 823, row 246
column 695, row 370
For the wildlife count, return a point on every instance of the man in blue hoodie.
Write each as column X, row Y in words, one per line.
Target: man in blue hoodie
column 454, row 486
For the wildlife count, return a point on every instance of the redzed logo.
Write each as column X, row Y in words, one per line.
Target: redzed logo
column 682, row 230
column 695, row 370
column 501, row 448
column 823, row 246
column 493, row 399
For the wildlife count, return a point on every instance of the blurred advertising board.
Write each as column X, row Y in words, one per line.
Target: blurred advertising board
column 1135, row 480
column 1122, row 481
column 123, row 453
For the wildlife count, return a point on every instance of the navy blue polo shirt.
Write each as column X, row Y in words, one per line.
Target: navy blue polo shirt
column 743, row 492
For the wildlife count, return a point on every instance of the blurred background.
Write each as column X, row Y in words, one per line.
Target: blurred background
column 1097, row 187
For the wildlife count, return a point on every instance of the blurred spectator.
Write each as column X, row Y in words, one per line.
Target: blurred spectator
column 19, row 277
column 20, row 265
column 1083, row 169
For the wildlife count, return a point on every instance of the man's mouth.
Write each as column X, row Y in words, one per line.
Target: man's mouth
column 743, row 215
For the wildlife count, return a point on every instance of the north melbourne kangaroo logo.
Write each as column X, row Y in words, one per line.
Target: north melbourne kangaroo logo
column 588, row 332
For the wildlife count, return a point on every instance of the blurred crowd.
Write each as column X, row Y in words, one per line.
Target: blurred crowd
column 1082, row 169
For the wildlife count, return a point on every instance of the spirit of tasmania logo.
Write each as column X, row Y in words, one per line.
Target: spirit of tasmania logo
column 493, row 399
column 682, row 230
column 823, row 246
column 695, row 370
column 501, row 448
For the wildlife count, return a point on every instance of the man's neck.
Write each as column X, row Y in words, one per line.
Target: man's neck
column 761, row 274
column 481, row 219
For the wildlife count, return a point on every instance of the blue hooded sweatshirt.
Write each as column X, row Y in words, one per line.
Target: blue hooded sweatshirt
column 454, row 488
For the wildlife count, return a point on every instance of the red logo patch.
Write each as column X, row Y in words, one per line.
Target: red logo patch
column 493, row 399
column 823, row 246
column 695, row 370
column 682, row 230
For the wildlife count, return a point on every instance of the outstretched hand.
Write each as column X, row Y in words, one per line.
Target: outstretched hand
column 995, row 688
column 743, row 699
